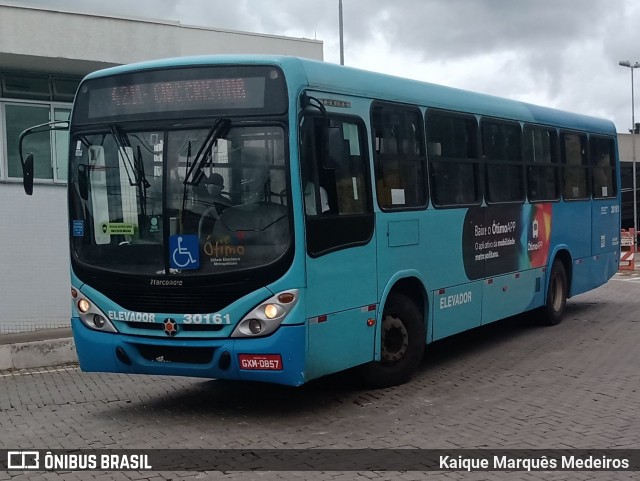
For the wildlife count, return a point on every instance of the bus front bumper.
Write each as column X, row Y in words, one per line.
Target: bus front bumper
column 278, row 358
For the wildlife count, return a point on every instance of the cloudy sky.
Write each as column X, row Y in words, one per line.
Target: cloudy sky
column 558, row 53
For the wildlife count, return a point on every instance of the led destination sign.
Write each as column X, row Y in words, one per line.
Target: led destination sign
column 182, row 92
column 228, row 93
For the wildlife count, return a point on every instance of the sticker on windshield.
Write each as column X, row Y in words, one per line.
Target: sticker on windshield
column 118, row 228
column 78, row 228
column 225, row 252
column 154, row 224
column 185, row 252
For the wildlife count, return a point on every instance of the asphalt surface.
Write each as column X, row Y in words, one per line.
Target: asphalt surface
column 512, row 384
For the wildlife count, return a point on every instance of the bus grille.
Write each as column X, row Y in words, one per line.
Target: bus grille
column 176, row 300
column 156, row 326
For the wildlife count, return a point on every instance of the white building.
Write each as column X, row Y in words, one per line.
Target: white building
column 43, row 56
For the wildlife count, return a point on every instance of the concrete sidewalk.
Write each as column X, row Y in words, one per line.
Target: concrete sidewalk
column 41, row 348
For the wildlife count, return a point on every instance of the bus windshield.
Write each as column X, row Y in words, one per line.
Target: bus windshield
column 179, row 201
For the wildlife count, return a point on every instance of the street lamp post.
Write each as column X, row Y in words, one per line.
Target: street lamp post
column 626, row 63
column 341, row 32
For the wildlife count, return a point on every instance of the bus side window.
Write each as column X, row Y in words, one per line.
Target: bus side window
column 603, row 163
column 576, row 168
column 316, row 201
column 336, row 192
column 400, row 157
column 453, row 158
column 501, row 143
column 541, row 159
column 340, row 185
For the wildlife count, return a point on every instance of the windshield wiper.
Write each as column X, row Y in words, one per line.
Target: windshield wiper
column 219, row 130
column 131, row 166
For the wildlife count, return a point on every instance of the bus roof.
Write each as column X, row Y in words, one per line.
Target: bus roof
column 305, row 73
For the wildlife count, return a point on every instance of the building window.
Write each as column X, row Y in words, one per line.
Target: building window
column 50, row 149
column 452, row 146
column 35, row 99
column 34, row 87
column 61, row 144
column 401, row 170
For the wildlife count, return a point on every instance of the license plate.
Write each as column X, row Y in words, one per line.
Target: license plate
column 260, row 362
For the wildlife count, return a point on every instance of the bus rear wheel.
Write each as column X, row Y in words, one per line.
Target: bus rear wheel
column 557, row 292
column 402, row 343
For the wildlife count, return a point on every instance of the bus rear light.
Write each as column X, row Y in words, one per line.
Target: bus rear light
column 267, row 317
column 371, row 322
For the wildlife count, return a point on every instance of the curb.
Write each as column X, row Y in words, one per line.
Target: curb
column 51, row 347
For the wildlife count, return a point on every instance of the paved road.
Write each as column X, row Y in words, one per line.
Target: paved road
column 508, row 385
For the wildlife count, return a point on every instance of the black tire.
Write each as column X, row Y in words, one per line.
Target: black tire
column 557, row 293
column 402, row 344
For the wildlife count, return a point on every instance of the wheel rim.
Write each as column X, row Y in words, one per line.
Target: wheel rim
column 395, row 339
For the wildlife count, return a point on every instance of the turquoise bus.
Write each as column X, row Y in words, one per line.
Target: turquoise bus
column 277, row 219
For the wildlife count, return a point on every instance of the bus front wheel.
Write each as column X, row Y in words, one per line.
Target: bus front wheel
column 402, row 343
column 556, row 295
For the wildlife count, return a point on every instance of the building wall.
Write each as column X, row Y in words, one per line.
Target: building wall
column 625, row 150
column 34, row 266
column 625, row 147
column 78, row 43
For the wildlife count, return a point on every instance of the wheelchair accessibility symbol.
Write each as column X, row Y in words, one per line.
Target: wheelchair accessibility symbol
column 185, row 252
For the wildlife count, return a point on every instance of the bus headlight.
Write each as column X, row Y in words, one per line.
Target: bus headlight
column 267, row 317
column 90, row 315
column 84, row 306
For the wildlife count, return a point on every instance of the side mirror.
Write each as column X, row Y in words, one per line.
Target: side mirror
column 27, row 174
column 27, row 164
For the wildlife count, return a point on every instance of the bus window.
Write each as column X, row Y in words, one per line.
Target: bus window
column 574, row 156
column 336, row 193
column 400, row 157
column 501, row 149
column 453, row 159
column 541, row 159
column 603, row 163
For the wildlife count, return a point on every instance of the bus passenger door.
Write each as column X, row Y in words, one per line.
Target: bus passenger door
column 341, row 266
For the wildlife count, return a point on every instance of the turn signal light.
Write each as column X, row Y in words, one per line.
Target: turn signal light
column 286, row 297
